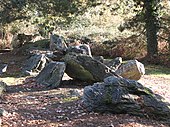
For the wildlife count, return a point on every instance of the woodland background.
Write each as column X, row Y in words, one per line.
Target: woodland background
column 127, row 28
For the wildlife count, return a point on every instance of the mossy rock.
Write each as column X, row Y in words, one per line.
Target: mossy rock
column 85, row 68
column 42, row 45
column 77, row 71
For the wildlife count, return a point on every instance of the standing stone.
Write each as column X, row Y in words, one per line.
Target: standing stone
column 132, row 69
column 52, row 74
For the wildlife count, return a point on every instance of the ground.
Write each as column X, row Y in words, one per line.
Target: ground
column 29, row 104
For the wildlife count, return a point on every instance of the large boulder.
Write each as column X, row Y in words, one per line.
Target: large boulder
column 86, row 68
column 35, row 64
column 120, row 95
column 131, row 69
column 52, row 74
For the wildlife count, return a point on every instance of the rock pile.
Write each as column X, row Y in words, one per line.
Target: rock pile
column 115, row 88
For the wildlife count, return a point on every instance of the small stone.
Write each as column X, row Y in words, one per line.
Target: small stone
column 3, row 87
column 3, row 113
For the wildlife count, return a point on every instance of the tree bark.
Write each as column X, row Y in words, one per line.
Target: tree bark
column 151, row 29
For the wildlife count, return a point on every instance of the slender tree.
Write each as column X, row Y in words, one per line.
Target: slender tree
column 148, row 15
column 151, row 25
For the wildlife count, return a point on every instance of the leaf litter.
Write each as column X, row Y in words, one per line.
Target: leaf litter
column 28, row 104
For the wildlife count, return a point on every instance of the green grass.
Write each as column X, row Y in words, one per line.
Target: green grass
column 157, row 70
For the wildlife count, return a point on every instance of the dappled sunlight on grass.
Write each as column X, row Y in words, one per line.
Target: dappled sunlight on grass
column 12, row 80
column 159, row 71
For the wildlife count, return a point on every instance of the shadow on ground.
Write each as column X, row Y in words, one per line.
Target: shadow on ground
column 36, row 105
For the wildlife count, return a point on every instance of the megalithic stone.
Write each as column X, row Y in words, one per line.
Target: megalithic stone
column 86, row 68
column 120, row 95
column 131, row 69
column 35, row 64
column 52, row 74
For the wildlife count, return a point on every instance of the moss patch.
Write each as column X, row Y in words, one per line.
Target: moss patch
column 75, row 70
column 70, row 99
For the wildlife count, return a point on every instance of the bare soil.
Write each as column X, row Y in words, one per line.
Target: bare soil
column 29, row 104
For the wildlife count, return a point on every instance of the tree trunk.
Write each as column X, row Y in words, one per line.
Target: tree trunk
column 151, row 29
